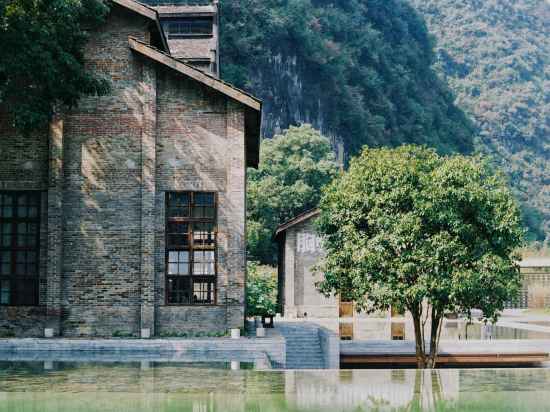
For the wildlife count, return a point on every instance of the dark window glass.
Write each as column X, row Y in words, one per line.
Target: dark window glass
column 190, row 248
column 19, row 247
column 178, row 290
column 190, row 26
column 178, row 235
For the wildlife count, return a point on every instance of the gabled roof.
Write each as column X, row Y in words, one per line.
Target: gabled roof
column 253, row 106
column 302, row 217
column 146, row 12
column 196, row 74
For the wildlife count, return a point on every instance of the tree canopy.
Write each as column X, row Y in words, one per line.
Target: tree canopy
column 261, row 290
column 42, row 61
column 293, row 168
column 410, row 229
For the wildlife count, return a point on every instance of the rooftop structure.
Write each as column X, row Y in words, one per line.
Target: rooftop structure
column 192, row 30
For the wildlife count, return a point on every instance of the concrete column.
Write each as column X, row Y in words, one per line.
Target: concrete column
column 231, row 279
column 290, row 285
column 148, row 193
column 55, row 222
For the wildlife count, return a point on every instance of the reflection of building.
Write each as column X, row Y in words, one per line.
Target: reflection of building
column 129, row 213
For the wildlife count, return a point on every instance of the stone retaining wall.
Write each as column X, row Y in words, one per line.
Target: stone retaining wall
column 222, row 349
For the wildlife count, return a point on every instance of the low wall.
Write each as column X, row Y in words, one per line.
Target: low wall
column 330, row 346
column 243, row 349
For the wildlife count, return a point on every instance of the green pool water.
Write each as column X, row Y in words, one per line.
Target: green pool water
column 140, row 387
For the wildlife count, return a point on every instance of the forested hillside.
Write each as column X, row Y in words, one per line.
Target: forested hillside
column 495, row 55
column 366, row 72
column 357, row 70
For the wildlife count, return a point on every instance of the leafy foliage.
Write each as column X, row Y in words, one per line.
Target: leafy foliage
column 293, row 168
column 410, row 229
column 359, row 71
column 42, row 61
column 495, row 55
column 261, row 290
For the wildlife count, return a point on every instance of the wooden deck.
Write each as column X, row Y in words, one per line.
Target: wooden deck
column 490, row 352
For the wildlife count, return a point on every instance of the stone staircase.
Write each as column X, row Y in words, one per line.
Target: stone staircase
column 303, row 347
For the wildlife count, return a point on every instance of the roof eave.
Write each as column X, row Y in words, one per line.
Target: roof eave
column 253, row 106
column 146, row 12
column 302, row 217
column 196, row 74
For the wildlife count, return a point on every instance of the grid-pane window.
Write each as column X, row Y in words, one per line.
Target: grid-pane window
column 191, row 26
column 191, row 248
column 203, row 290
column 19, row 247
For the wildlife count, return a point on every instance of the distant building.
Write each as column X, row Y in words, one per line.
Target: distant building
column 535, row 291
column 299, row 251
column 128, row 214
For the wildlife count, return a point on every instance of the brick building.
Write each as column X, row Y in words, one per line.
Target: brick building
column 128, row 214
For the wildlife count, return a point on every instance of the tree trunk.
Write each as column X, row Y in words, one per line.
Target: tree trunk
column 435, row 333
column 419, row 338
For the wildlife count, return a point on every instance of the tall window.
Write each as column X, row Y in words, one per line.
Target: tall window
column 19, row 247
column 190, row 248
column 190, row 26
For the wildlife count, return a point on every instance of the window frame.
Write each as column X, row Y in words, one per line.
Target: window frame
column 188, row 20
column 190, row 248
column 13, row 249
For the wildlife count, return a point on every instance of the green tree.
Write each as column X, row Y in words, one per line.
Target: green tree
column 410, row 229
column 293, row 168
column 261, row 290
column 42, row 59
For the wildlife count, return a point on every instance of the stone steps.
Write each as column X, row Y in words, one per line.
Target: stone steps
column 303, row 347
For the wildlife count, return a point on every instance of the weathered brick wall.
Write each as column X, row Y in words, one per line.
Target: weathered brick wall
column 24, row 166
column 102, row 189
column 200, row 147
column 112, row 160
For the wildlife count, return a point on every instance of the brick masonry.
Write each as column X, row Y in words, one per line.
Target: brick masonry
column 103, row 169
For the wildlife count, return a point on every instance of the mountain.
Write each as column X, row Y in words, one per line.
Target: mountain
column 387, row 72
column 360, row 72
column 495, row 55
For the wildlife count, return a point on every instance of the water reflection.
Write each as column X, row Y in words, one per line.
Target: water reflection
column 91, row 387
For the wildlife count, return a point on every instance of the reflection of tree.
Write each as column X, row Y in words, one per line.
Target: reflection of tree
column 427, row 391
